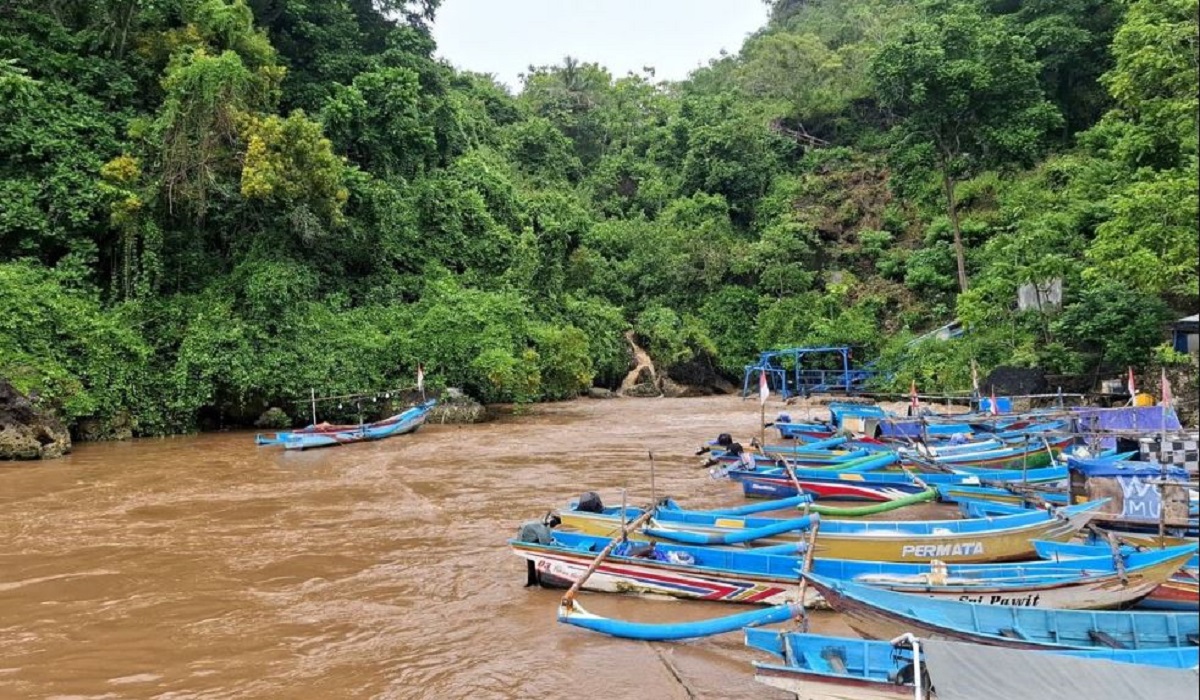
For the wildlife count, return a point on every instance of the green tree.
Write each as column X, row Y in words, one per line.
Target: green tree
column 964, row 89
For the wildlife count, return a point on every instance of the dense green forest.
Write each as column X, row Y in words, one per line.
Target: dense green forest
column 209, row 206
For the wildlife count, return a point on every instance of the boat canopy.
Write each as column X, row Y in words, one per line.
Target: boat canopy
column 962, row 671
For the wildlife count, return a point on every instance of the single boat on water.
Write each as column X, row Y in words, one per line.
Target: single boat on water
column 324, row 435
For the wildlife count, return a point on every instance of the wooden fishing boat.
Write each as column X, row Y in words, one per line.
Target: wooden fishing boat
column 818, row 666
column 1180, row 593
column 876, row 485
column 1025, row 455
column 1136, row 533
column 646, row 568
column 954, row 493
column 878, row 613
column 399, row 424
column 768, row 575
column 984, row 540
column 804, row 430
column 1014, row 491
column 815, row 459
column 1066, row 551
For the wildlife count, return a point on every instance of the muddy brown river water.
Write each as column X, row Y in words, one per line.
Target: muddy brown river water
column 206, row 567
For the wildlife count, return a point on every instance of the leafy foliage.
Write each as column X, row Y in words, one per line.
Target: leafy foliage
column 212, row 207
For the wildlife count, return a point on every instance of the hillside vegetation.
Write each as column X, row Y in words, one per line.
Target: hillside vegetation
column 208, row 207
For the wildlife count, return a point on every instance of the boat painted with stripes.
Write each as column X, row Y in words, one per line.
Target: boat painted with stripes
column 769, row 575
column 876, row 485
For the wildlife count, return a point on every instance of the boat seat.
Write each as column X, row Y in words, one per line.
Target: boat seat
column 1105, row 639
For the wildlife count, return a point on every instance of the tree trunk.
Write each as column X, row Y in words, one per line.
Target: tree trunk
column 952, row 209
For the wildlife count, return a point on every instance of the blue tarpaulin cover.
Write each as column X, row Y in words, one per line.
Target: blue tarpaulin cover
column 1146, row 470
column 1132, row 418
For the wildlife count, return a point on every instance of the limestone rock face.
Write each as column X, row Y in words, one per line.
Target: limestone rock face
column 27, row 432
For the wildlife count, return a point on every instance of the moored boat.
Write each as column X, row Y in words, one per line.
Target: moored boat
column 882, row 614
column 819, row 666
column 768, row 576
column 1003, row 538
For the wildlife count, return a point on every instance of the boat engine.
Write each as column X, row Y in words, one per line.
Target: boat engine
column 590, row 502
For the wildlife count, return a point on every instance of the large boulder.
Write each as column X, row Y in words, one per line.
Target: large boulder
column 27, row 432
column 456, row 407
column 119, row 426
column 1015, row 381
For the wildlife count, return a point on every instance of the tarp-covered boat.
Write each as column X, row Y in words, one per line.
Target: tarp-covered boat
column 814, row 665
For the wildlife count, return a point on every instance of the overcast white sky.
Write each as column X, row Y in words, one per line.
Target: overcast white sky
column 503, row 37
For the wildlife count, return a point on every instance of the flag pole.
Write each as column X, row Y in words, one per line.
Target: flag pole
column 1166, row 397
column 763, row 390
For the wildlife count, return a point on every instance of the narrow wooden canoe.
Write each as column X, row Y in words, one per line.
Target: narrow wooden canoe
column 877, row 613
column 1004, row 538
column 399, row 424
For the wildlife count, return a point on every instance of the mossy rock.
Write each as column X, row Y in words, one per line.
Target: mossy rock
column 274, row 418
column 29, row 432
column 455, row 407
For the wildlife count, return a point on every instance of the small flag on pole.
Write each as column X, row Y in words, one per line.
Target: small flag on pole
column 1167, row 397
column 763, row 390
column 1130, row 385
column 912, row 393
column 992, row 407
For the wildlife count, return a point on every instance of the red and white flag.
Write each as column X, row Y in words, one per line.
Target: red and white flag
column 1167, row 397
column 992, row 407
column 420, row 378
column 763, row 390
column 1130, row 385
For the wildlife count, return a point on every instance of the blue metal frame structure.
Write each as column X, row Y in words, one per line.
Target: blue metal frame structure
column 796, row 380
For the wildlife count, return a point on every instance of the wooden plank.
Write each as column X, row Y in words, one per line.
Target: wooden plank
column 1105, row 639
